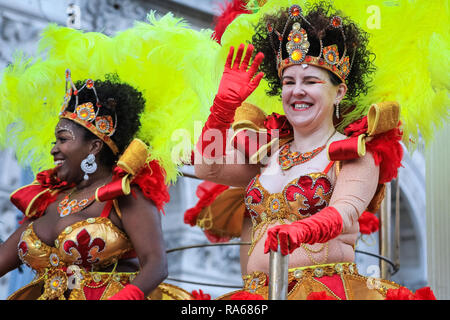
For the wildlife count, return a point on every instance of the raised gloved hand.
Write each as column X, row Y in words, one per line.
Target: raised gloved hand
column 321, row 227
column 129, row 292
column 237, row 83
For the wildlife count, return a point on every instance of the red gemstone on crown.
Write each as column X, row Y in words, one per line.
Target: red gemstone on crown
column 89, row 83
column 295, row 11
column 336, row 22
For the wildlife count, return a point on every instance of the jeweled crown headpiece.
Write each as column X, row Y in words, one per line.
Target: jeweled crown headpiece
column 297, row 46
column 86, row 114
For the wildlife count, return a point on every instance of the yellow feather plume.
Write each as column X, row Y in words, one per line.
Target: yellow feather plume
column 160, row 58
column 412, row 47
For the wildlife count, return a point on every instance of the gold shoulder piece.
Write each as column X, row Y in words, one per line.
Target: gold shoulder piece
column 249, row 116
column 382, row 117
column 134, row 157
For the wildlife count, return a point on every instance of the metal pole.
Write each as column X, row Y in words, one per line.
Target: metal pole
column 278, row 275
column 385, row 232
column 397, row 224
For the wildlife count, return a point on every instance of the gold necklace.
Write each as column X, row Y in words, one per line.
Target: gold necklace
column 288, row 159
column 67, row 206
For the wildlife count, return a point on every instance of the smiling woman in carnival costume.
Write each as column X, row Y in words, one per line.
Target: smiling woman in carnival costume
column 331, row 152
column 92, row 224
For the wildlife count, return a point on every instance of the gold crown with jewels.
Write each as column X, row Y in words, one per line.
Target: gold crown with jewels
column 86, row 114
column 297, row 46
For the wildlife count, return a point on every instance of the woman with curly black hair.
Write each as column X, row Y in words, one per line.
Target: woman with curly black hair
column 97, row 223
column 306, row 197
column 91, row 227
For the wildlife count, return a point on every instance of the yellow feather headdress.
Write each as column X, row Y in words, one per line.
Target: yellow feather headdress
column 160, row 58
column 411, row 41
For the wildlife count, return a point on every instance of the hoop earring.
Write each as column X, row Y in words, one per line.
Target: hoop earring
column 88, row 166
column 336, row 105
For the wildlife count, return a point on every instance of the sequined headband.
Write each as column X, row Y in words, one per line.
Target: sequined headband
column 86, row 114
column 297, row 46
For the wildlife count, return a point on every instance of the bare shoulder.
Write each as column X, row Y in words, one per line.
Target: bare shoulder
column 135, row 198
column 360, row 169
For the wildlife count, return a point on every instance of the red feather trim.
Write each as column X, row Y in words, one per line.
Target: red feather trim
column 200, row 295
column 229, row 12
column 48, row 179
column 151, row 180
column 385, row 148
column 388, row 153
column 322, row 295
column 244, row 295
column 424, row 293
column 207, row 192
column 403, row 293
column 368, row 223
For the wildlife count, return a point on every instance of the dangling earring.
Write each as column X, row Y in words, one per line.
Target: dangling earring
column 88, row 165
column 337, row 109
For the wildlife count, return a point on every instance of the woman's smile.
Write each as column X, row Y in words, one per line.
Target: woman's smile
column 69, row 150
column 301, row 105
column 59, row 163
column 308, row 96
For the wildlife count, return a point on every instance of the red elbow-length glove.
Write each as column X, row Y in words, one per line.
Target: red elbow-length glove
column 321, row 227
column 129, row 292
column 236, row 85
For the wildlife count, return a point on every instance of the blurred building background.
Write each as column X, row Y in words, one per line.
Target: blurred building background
column 22, row 21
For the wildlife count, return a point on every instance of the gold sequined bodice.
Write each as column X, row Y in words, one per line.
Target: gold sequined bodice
column 91, row 244
column 300, row 198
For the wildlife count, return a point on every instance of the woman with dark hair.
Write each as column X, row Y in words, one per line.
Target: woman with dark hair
column 307, row 195
column 85, row 237
column 92, row 224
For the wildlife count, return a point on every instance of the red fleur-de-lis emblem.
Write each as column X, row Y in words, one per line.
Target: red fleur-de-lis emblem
column 310, row 194
column 85, row 248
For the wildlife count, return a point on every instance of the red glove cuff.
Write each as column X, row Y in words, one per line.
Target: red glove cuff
column 321, row 227
column 221, row 117
column 224, row 110
column 129, row 292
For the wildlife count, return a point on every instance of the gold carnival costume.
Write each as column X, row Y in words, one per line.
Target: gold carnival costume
column 82, row 262
column 370, row 125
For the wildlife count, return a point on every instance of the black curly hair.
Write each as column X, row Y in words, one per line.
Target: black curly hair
column 114, row 96
column 319, row 16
